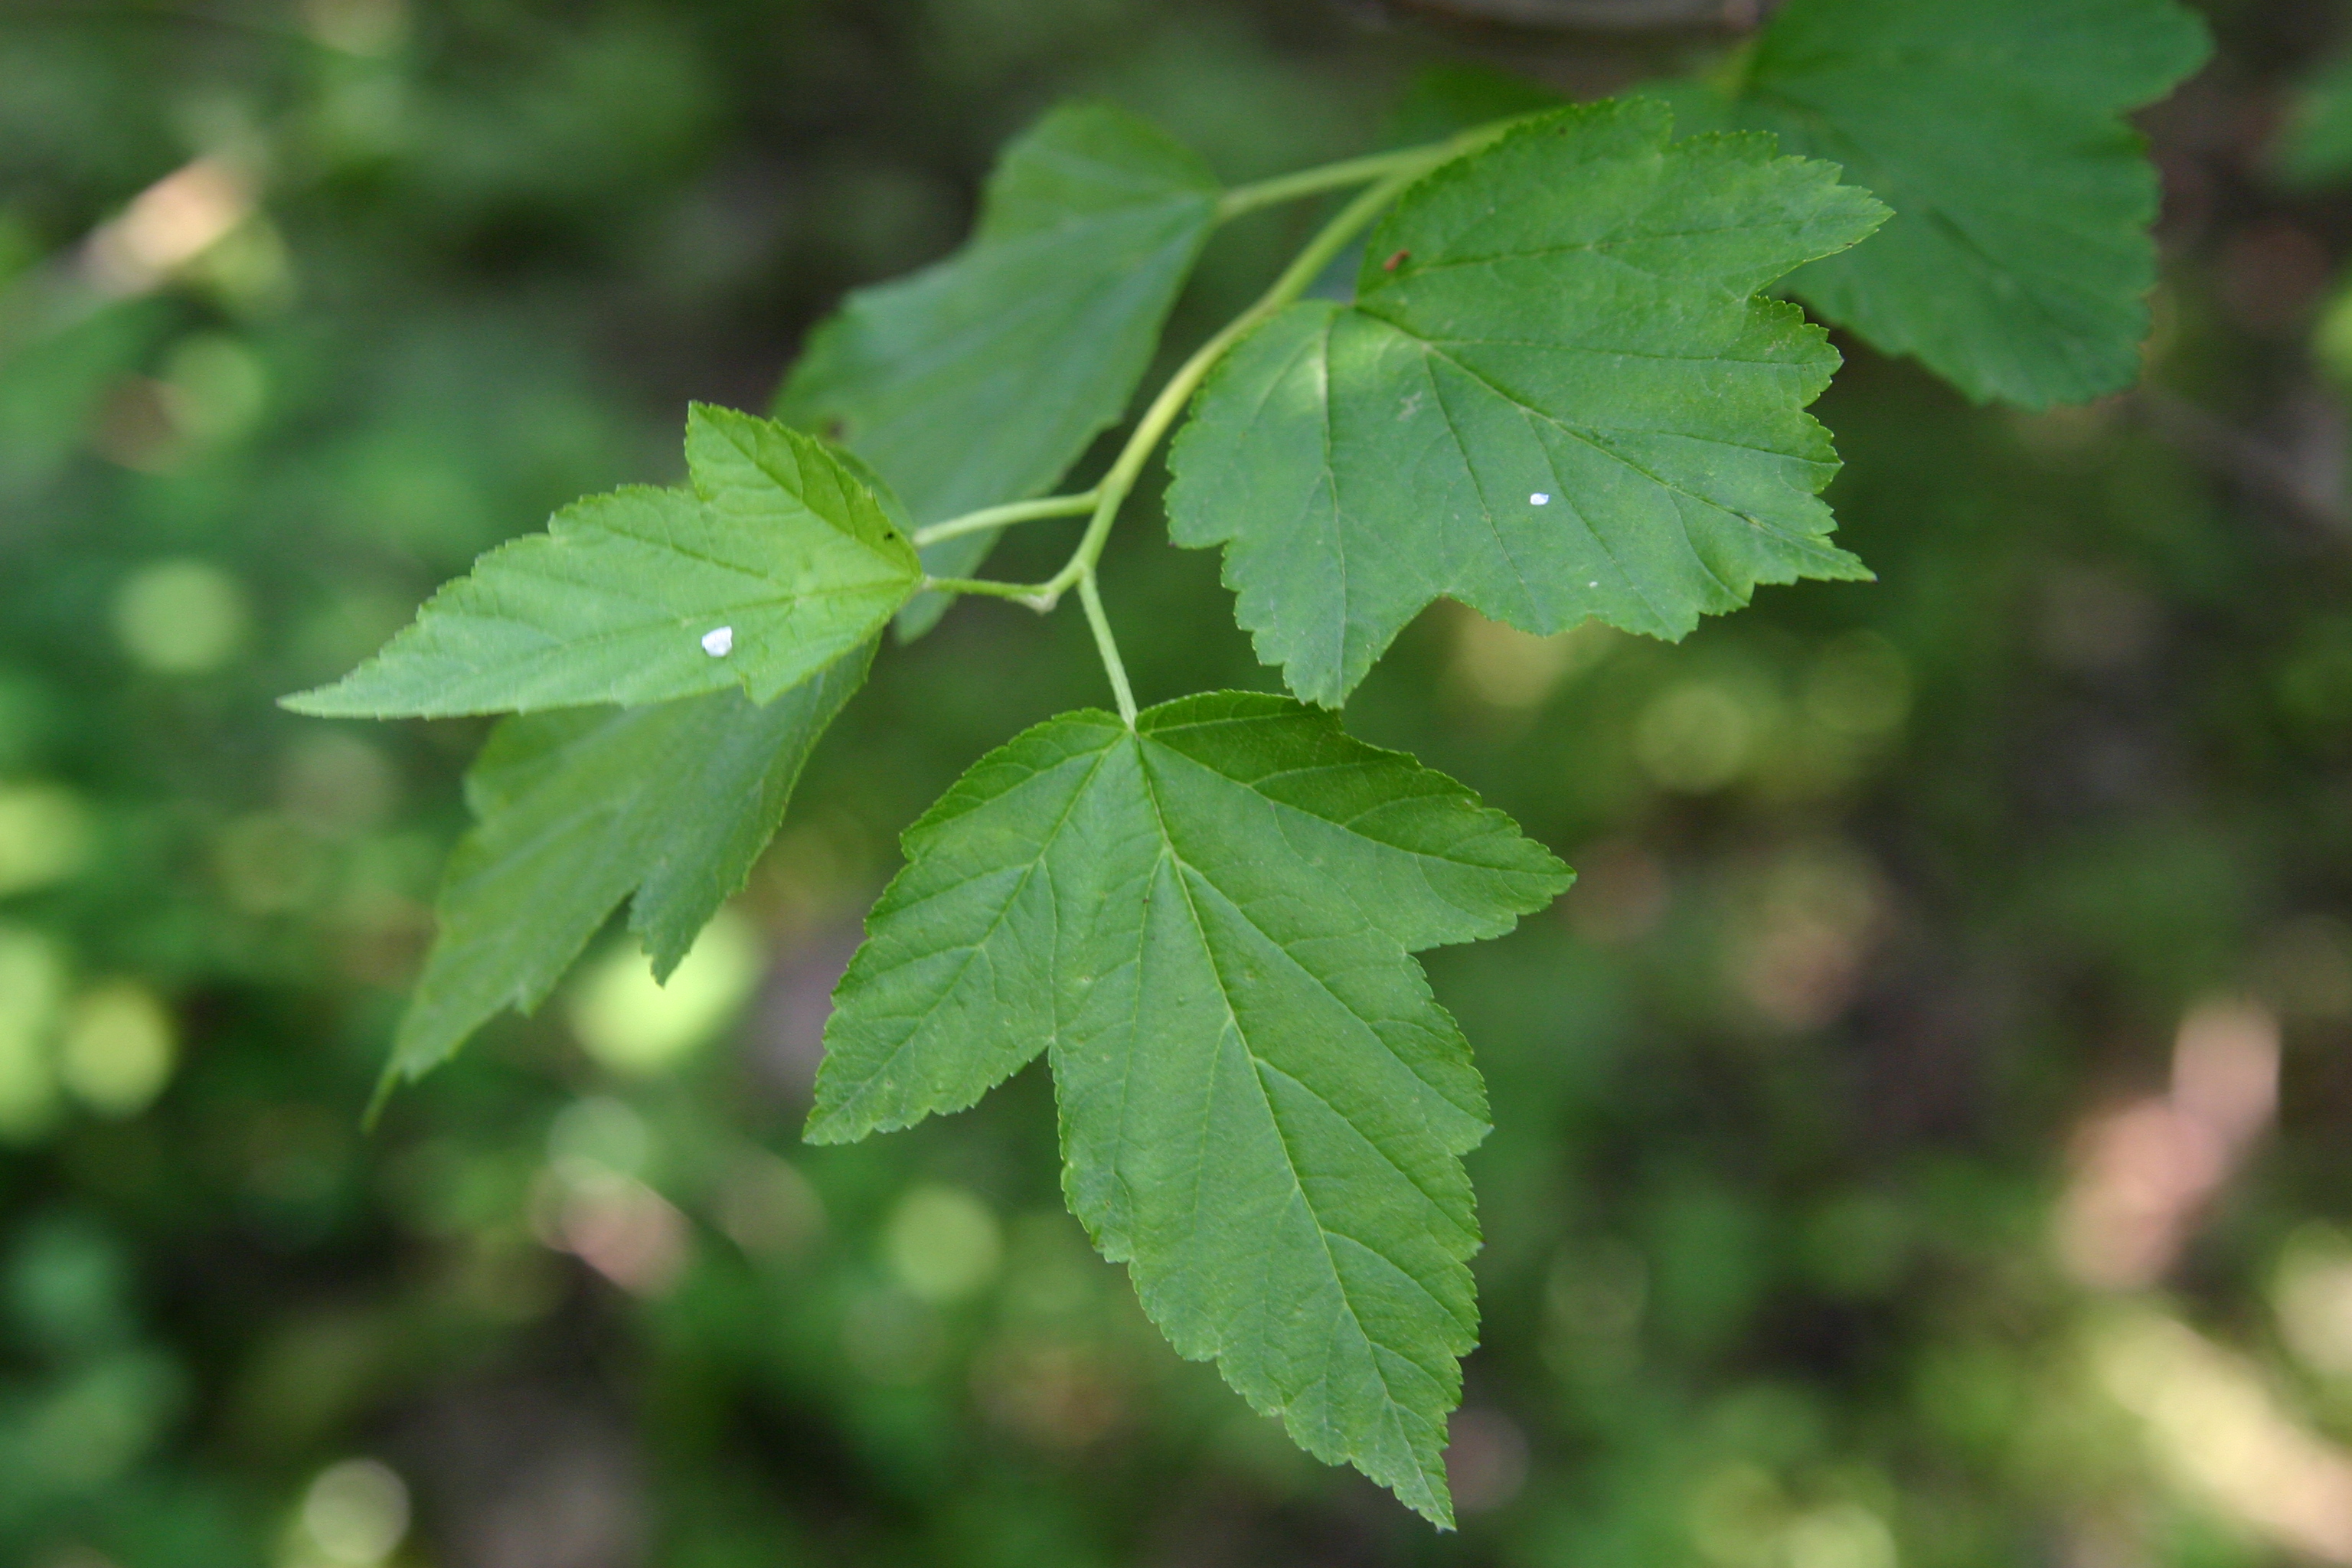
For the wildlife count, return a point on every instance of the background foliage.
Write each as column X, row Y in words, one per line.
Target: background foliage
column 1919, row 1134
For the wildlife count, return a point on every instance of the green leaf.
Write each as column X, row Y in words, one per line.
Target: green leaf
column 779, row 550
column 1555, row 396
column 1207, row 922
column 2019, row 261
column 982, row 379
column 578, row 809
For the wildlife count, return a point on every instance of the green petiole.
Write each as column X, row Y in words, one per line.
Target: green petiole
column 989, row 517
column 1090, row 597
column 1324, row 177
column 1389, row 173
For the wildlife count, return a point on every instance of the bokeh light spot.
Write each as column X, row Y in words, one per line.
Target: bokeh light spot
column 1859, row 685
column 2313, row 1296
column 32, row 991
column 768, row 1208
column 118, row 1049
column 600, row 1131
column 1842, row 1535
column 943, row 1244
column 181, row 616
column 632, row 1024
column 356, row 1513
column 45, row 835
column 1505, row 668
column 219, row 387
column 1695, row 738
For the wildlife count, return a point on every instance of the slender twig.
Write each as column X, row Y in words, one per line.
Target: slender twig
column 1313, row 182
column 990, row 516
column 1391, row 173
column 1334, row 237
column 1029, row 594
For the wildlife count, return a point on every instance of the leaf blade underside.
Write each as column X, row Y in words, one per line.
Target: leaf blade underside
column 778, row 541
column 1556, row 396
column 1207, row 923
column 666, row 806
column 2019, row 261
column 1088, row 228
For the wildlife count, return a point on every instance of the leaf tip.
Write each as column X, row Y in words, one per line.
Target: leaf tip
column 364, row 694
column 1424, row 1491
column 826, row 1125
column 331, row 700
column 386, row 1082
column 1556, row 878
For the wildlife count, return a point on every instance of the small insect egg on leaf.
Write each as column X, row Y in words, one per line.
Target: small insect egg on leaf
column 1539, row 498
column 719, row 643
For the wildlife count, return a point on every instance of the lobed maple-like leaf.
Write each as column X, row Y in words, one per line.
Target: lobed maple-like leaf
column 1207, row 922
column 980, row 380
column 666, row 806
column 2019, row 261
column 779, row 560
column 1556, row 396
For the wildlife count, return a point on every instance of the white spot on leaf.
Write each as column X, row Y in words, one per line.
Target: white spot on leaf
column 719, row 644
column 1539, row 498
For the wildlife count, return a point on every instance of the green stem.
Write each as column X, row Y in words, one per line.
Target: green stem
column 1030, row 593
column 1326, row 177
column 1392, row 172
column 1107, row 645
column 1308, row 266
column 990, row 516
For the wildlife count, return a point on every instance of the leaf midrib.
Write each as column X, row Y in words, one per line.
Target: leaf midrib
column 1422, row 859
column 1391, row 1413
column 1176, row 858
column 1589, row 438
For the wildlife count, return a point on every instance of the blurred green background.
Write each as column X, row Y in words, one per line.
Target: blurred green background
column 1921, row 1134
